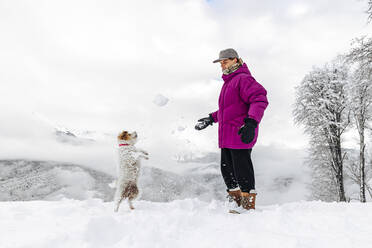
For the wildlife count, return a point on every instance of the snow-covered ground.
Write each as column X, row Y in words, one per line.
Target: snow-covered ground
column 183, row 223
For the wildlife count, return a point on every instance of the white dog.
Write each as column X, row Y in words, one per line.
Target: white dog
column 129, row 166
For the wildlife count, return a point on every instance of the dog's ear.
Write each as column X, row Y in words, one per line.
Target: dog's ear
column 123, row 135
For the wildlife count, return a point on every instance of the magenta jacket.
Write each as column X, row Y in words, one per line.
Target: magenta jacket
column 241, row 96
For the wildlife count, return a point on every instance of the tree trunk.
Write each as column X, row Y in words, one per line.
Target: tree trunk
column 338, row 162
column 340, row 176
column 341, row 190
column 362, row 165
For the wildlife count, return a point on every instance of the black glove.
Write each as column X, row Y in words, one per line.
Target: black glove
column 248, row 130
column 204, row 122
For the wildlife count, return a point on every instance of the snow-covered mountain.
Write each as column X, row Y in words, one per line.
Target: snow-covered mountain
column 71, row 136
column 48, row 180
column 23, row 180
column 183, row 171
column 180, row 165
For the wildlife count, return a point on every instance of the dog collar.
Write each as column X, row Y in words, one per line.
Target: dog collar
column 123, row 144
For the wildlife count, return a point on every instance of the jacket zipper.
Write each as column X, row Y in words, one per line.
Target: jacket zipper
column 223, row 98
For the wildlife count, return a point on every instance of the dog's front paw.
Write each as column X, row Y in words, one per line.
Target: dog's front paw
column 146, row 153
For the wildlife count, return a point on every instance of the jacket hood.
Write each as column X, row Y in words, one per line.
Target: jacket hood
column 242, row 69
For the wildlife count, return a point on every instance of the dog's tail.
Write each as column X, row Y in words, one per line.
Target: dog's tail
column 130, row 191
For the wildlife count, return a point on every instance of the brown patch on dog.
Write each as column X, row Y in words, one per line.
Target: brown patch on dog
column 124, row 136
column 130, row 192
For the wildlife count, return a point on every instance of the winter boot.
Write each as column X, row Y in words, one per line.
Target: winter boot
column 235, row 195
column 248, row 200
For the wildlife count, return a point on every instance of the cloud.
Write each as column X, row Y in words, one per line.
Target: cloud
column 96, row 65
column 298, row 10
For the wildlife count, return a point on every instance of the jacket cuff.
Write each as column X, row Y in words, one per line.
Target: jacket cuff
column 251, row 121
column 214, row 116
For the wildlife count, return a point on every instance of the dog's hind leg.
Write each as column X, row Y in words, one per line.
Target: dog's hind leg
column 117, row 204
column 118, row 197
column 130, row 204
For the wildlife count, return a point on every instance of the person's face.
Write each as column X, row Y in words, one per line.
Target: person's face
column 226, row 63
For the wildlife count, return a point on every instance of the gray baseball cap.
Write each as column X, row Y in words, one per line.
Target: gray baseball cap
column 227, row 54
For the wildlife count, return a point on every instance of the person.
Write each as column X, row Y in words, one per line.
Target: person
column 242, row 103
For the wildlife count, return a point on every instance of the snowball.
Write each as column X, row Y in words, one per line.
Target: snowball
column 160, row 100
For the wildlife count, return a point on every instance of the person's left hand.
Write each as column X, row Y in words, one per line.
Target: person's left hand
column 248, row 131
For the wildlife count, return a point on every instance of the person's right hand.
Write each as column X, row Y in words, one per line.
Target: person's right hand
column 204, row 122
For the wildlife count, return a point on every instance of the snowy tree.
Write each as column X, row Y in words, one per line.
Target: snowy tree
column 353, row 168
column 360, row 92
column 323, row 180
column 361, row 51
column 369, row 11
column 321, row 106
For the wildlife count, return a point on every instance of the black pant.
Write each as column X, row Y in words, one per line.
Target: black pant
column 237, row 169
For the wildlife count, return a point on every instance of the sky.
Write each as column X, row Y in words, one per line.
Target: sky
column 99, row 65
